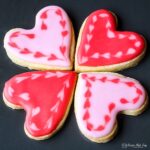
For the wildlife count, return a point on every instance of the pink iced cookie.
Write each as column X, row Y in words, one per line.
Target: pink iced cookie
column 49, row 45
column 45, row 96
column 99, row 97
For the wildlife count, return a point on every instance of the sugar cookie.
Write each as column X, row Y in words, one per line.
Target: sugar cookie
column 99, row 97
column 45, row 96
column 101, row 47
column 47, row 46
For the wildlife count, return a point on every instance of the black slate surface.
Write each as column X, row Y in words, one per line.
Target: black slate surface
column 132, row 15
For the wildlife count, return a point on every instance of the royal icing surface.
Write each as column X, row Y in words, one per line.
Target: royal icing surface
column 44, row 96
column 48, row 43
column 100, row 97
column 102, row 45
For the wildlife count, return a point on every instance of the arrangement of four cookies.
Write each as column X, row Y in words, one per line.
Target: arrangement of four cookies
column 46, row 96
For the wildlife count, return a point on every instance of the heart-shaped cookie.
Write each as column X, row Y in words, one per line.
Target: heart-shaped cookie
column 101, row 48
column 49, row 45
column 99, row 97
column 45, row 96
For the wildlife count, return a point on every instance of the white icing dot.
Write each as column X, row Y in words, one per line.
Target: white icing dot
column 87, row 46
column 61, row 74
column 61, row 95
column 106, row 55
column 35, row 111
column 25, row 96
column 95, row 55
column 34, row 127
column 131, row 51
column 94, row 18
column 110, row 34
column 35, row 76
column 49, row 75
column 55, row 107
column 10, row 91
column 108, row 25
column 91, row 28
column 103, row 15
column 132, row 37
column 49, row 122
column 137, row 44
column 84, row 59
column 20, row 79
column 118, row 54
column 121, row 36
column 89, row 37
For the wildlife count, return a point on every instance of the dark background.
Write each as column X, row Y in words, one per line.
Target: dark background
column 133, row 15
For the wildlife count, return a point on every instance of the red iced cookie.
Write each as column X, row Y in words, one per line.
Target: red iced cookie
column 45, row 96
column 101, row 47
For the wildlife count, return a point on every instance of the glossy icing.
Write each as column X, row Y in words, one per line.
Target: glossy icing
column 44, row 96
column 100, row 97
column 102, row 45
column 48, row 43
